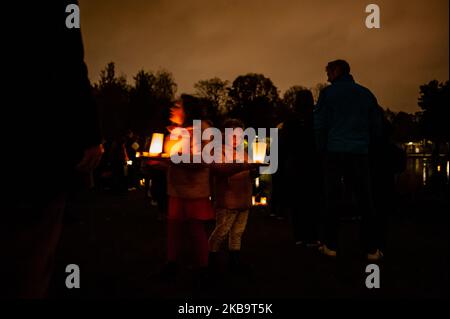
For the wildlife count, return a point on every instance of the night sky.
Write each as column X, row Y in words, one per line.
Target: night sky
column 289, row 41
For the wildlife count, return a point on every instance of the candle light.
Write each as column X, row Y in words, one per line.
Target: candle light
column 172, row 147
column 156, row 145
column 263, row 201
column 259, row 151
column 253, row 200
column 138, row 154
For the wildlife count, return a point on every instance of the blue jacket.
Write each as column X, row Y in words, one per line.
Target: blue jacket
column 346, row 118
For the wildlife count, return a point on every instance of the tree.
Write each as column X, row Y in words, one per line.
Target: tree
column 317, row 89
column 214, row 90
column 254, row 98
column 112, row 95
column 150, row 99
column 405, row 127
column 434, row 101
column 290, row 96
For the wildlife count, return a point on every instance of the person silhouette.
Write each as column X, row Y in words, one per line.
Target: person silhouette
column 57, row 139
column 301, row 167
column 346, row 119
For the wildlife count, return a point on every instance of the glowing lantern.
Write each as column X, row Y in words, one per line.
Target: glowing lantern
column 263, row 201
column 156, row 145
column 172, row 147
column 138, row 154
column 142, row 182
column 259, row 151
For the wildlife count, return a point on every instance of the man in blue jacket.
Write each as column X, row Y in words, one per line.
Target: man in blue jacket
column 346, row 121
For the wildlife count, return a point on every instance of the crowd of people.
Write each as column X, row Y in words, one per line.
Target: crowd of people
column 333, row 156
column 339, row 147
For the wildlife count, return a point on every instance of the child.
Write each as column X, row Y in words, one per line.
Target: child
column 233, row 194
column 188, row 189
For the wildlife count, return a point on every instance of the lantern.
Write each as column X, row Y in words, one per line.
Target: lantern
column 259, row 151
column 156, row 145
column 172, row 147
column 263, row 201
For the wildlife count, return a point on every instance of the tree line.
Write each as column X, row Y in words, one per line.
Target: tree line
column 143, row 106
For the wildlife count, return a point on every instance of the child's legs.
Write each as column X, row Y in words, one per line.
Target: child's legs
column 199, row 241
column 224, row 221
column 237, row 230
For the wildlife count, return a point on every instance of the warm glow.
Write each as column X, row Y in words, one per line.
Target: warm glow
column 417, row 150
column 138, row 154
column 253, row 200
column 142, row 182
column 145, row 154
column 263, row 201
column 447, row 170
column 439, row 168
column 257, row 182
column 172, row 146
column 130, row 163
column 259, row 152
column 156, row 146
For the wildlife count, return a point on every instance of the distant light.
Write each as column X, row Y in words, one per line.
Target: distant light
column 257, row 182
column 424, row 174
column 417, row 150
column 439, row 168
column 447, row 169
column 130, row 163
column 253, row 201
column 410, row 143
column 263, row 201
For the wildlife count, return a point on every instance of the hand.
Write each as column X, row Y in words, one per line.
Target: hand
column 91, row 158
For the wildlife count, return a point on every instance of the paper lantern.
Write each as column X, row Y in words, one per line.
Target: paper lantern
column 156, row 146
column 263, row 201
column 259, row 151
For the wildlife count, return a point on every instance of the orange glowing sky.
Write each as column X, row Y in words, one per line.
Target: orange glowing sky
column 289, row 41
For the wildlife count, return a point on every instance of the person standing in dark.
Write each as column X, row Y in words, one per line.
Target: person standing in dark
column 387, row 160
column 51, row 107
column 301, row 170
column 346, row 120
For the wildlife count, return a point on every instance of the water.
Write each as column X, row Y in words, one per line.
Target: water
column 422, row 174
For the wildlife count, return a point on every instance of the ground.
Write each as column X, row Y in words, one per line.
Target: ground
column 119, row 244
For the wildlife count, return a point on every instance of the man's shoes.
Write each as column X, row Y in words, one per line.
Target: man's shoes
column 327, row 251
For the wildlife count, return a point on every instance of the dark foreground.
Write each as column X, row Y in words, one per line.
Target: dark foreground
column 119, row 245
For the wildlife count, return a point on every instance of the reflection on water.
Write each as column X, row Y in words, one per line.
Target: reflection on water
column 421, row 173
